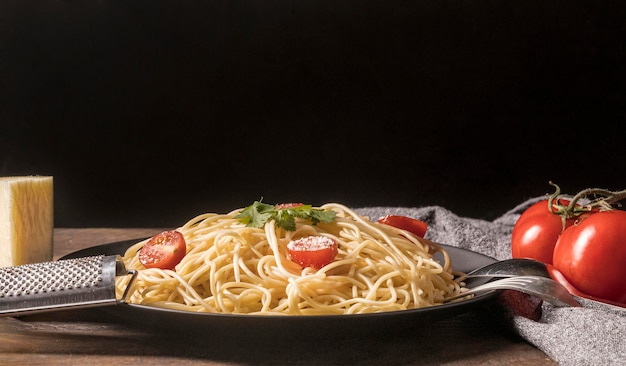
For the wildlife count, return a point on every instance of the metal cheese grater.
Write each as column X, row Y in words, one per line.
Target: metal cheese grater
column 58, row 285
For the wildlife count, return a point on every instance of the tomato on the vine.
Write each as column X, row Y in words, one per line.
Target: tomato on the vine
column 591, row 255
column 582, row 245
column 415, row 226
column 536, row 231
column 164, row 250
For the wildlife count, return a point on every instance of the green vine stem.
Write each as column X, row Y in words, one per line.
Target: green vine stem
column 603, row 199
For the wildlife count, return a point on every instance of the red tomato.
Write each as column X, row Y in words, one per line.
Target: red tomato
column 409, row 224
column 164, row 250
column 558, row 276
column 282, row 206
column 313, row 251
column 536, row 231
column 591, row 255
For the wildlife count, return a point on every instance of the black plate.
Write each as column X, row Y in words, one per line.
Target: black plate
column 237, row 326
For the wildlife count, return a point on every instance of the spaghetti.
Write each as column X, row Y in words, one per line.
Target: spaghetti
column 233, row 268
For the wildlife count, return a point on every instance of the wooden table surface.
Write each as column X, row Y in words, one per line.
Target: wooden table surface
column 93, row 336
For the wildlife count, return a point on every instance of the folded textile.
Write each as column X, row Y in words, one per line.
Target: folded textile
column 594, row 334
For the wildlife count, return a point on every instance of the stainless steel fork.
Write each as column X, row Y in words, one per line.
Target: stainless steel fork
column 544, row 288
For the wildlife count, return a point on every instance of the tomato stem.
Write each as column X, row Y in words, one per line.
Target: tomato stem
column 603, row 199
column 566, row 212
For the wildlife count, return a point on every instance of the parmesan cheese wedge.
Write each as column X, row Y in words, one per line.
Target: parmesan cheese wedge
column 26, row 220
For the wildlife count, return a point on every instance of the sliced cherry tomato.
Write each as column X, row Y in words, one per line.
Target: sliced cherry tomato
column 282, row 206
column 164, row 250
column 409, row 224
column 313, row 251
column 591, row 255
column 536, row 231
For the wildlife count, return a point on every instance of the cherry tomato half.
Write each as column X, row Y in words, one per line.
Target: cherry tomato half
column 164, row 250
column 536, row 231
column 283, row 206
column 313, row 251
column 415, row 226
column 591, row 255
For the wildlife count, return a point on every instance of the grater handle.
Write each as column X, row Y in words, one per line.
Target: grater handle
column 59, row 285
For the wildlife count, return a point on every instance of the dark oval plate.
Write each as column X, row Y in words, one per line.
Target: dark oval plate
column 236, row 326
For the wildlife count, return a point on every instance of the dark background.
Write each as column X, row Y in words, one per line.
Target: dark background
column 149, row 112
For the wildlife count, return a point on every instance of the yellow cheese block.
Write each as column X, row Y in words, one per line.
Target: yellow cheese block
column 26, row 220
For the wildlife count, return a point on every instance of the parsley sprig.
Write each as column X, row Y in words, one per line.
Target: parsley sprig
column 259, row 213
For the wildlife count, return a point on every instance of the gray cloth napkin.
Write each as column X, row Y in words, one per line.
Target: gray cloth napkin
column 594, row 334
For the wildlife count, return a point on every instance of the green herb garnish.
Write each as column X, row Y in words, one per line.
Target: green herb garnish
column 259, row 213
